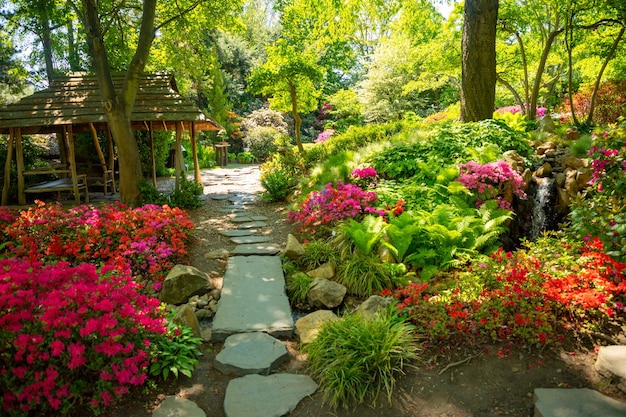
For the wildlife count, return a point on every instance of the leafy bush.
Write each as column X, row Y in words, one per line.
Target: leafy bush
column 318, row 252
column 148, row 240
column 185, row 197
column 279, row 174
column 163, row 141
column 530, row 296
column 602, row 210
column 176, row 351
column 206, row 157
column 71, row 335
column 344, row 109
column 260, row 141
column 608, row 103
column 297, row 286
column 266, row 117
column 326, row 207
column 354, row 359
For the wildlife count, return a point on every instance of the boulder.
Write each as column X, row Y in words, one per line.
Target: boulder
column 217, row 254
column 572, row 133
column 544, row 171
column 325, row 271
column 293, row 248
column 324, row 293
column 583, row 176
column 183, row 282
column 611, row 363
column 373, row 305
column 185, row 316
column 544, row 147
column 178, row 406
column 515, row 160
column 308, row 326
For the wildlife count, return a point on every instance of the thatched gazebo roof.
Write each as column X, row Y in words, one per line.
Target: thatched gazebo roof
column 72, row 103
column 74, row 99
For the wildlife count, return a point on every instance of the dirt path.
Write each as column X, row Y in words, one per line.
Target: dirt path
column 496, row 381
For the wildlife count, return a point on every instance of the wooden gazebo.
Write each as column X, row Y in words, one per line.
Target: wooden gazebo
column 72, row 104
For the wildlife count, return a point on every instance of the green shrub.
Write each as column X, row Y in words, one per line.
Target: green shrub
column 163, row 141
column 355, row 359
column 318, row 253
column 357, row 137
column 297, row 286
column 206, row 157
column 365, row 275
column 186, row 197
column 176, row 351
column 260, row 141
column 277, row 184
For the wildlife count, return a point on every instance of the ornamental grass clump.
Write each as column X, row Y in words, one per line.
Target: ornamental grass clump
column 355, row 359
column 71, row 336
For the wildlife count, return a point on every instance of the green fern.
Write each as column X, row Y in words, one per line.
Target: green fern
column 366, row 234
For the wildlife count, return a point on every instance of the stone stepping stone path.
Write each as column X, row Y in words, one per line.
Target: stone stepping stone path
column 251, row 353
column 266, row 396
column 252, row 312
column 576, row 402
column 250, row 239
column 253, row 299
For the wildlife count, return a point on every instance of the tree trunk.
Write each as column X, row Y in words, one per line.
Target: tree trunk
column 297, row 121
column 46, row 40
column 534, row 96
column 596, row 86
column 478, row 81
column 118, row 107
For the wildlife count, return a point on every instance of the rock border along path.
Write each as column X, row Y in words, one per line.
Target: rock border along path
column 253, row 308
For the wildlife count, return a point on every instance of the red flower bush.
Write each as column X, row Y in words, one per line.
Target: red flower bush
column 148, row 239
column 71, row 334
column 528, row 296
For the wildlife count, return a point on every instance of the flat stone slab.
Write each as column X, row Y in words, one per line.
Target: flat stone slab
column 253, row 299
column 219, row 196
column 235, row 206
column 250, row 239
column 252, row 225
column 256, row 249
column 238, row 209
column 241, row 219
column 259, row 218
column 576, row 402
column 612, row 360
column 250, row 353
column 178, row 407
column 239, row 232
column 266, row 396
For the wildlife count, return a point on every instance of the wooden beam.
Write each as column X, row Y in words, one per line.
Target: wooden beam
column 178, row 155
column 7, row 168
column 72, row 162
column 19, row 159
column 194, row 152
column 152, row 158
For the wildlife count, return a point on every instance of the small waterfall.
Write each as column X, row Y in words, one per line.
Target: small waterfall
column 542, row 207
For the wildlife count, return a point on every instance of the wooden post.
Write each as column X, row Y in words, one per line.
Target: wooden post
column 152, row 158
column 178, row 155
column 72, row 162
column 7, row 168
column 103, row 162
column 111, row 159
column 194, row 151
column 19, row 159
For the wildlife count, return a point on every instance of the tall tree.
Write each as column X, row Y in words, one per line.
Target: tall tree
column 478, row 79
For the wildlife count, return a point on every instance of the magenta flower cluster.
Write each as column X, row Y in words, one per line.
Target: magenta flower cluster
column 489, row 181
column 71, row 335
column 362, row 173
column 332, row 204
column 608, row 163
column 324, row 136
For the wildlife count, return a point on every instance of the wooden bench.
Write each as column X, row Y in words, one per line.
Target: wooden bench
column 62, row 184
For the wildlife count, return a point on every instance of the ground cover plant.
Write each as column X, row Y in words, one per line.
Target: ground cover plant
column 78, row 325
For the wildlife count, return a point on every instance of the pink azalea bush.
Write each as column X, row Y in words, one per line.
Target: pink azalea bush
column 364, row 177
column 149, row 240
column 540, row 111
column 71, row 335
column 332, row 204
column 494, row 180
column 324, row 136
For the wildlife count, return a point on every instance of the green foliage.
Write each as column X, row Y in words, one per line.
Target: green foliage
column 355, row 360
column 297, row 286
column 176, row 351
column 365, row 234
column 344, row 110
column 266, row 117
column 246, row 157
column 261, row 141
column 357, row 137
column 336, row 167
column 365, row 275
column 163, row 142
column 186, row 197
column 206, row 157
column 280, row 173
column 317, row 253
